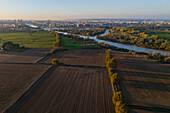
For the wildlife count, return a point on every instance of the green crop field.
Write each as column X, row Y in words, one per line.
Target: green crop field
column 37, row 40
column 162, row 35
column 69, row 43
column 41, row 40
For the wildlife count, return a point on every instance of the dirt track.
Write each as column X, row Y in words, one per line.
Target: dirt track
column 144, row 83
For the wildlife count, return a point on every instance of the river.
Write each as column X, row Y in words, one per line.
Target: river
column 125, row 46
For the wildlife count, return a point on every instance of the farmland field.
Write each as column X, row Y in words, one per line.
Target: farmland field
column 82, row 84
column 144, row 83
column 162, row 35
column 15, row 79
column 72, row 90
column 29, row 56
column 87, row 57
column 37, row 40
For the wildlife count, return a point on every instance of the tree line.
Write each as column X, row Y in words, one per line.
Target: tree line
column 118, row 97
column 136, row 38
column 85, row 32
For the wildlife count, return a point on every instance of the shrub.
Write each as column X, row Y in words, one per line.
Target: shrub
column 55, row 62
column 130, row 51
column 9, row 46
column 156, row 56
column 167, row 60
column 114, row 78
column 118, row 96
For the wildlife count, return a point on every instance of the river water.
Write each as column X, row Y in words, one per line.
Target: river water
column 125, row 46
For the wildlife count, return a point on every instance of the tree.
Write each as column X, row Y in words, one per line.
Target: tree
column 111, row 63
column 108, row 57
column 167, row 60
column 121, row 109
column 114, row 78
column 111, row 71
column 87, row 36
column 118, row 96
column 57, row 36
column 9, row 46
column 121, row 30
column 58, row 42
column 52, row 33
column 55, row 62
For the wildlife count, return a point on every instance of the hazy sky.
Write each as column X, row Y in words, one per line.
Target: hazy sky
column 66, row 9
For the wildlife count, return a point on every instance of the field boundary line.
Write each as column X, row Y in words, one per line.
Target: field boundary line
column 149, row 108
column 26, row 92
column 38, row 60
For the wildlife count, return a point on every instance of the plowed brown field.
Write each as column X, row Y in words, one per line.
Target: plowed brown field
column 144, row 83
column 28, row 56
column 85, row 57
column 82, row 85
column 72, row 90
column 15, row 79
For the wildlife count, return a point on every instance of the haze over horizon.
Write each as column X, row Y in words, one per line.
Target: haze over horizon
column 76, row 9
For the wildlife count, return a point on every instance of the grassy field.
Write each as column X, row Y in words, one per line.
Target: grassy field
column 37, row 40
column 69, row 43
column 41, row 40
column 162, row 35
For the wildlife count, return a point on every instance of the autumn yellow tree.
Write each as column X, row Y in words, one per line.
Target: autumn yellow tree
column 114, row 78
column 118, row 96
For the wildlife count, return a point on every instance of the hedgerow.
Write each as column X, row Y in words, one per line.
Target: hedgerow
column 118, row 98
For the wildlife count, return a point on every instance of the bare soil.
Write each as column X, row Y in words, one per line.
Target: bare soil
column 85, row 57
column 83, row 85
column 15, row 79
column 144, row 82
column 72, row 90
column 28, row 56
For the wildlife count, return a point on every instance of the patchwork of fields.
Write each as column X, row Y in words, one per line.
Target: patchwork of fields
column 82, row 84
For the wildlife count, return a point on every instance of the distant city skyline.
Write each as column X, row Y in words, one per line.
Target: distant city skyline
column 86, row 9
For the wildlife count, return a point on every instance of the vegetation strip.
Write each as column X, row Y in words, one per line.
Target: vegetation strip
column 118, row 97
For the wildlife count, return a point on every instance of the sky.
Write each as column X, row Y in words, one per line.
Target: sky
column 79, row 9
